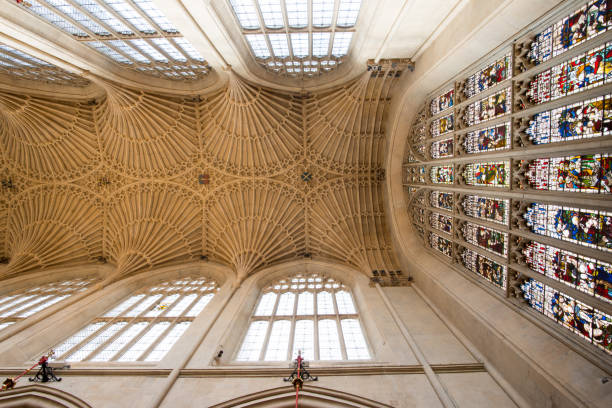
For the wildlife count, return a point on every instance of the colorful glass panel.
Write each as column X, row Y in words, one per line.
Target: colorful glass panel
column 441, row 222
column 489, row 76
column 441, row 244
column 442, row 149
column 442, row 200
column 485, row 267
column 488, row 108
column 594, row 68
column 442, row 174
column 591, row 324
column 591, row 228
column 486, row 238
column 586, row 174
column 443, row 125
column 442, row 102
column 586, row 274
column 586, row 119
column 489, row 209
column 496, row 174
column 492, row 138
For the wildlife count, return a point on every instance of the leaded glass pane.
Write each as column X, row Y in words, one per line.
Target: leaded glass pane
column 329, row 343
column 122, row 307
column 487, row 238
column 297, row 13
column 258, row 45
column 356, row 347
column 266, row 304
column 322, row 12
column 494, row 174
column 144, row 342
column 305, row 303
column 72, row 341
column 253, row 341
column 200, row 305
column 325, row 303
column 345, row 303
column 271, row 13
column 181, row 305
column 113, row 348
column 164, row 346
column 278, row 341
column 342, row 41
column 246, row 13
column 162, row 306
column 485, row 267
column 286, row 304
column 96, row 342
column 143, row 305
column 440, row 244
column 303, row 339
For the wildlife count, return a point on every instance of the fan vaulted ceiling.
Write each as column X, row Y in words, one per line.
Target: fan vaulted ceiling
column 153, row 134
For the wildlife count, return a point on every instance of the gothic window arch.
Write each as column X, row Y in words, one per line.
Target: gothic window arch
column 20, row 304
column 311, row 313
column 142, row 327
column 533, row 226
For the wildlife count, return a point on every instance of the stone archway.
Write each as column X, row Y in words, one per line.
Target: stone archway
column 311, row 397
column 38, row 396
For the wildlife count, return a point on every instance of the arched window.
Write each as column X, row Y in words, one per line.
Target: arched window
column 535, row 224
column 307, row 312
column 19, row 304
column 143, row 327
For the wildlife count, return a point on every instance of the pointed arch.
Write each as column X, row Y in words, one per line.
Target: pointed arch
column 38, row 396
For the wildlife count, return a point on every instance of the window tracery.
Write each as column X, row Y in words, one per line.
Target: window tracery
column 17, row 305
column 143, row 327
column 308, row 312
column 298, row 38
column 508, row 218
column 133, row 33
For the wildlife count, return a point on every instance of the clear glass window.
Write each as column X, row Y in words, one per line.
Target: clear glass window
column 304, row 313
column 143, row 327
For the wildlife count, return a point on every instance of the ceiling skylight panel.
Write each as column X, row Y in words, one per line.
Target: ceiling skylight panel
column 320, row 44
column 272, row 13
column 246, row 13
column 127, row 12
column 126, row 49
column 104, row 16
column 109, row 52
column 147, row 49
column 188, row 48
column 155, row 14
column 348, row 12
column 297, row 13
column 322, row 12
column 342, row 40
column 70, row 11
column 169, row 49
column 279, row 44
column 299, row 44
column 23, row 58
column 55, row 19
column 258, row 45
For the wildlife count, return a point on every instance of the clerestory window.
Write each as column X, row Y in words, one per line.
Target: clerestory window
column 20, row 304
column 310, row 313
column 143, row 327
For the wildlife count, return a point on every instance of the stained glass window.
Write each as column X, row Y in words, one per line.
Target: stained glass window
column 486, row 238
column 287, row 314
column 440, row 199
column 486, row 208
column 442, row 126
column 144, row 326
column 441, row 244
column 485, row 267
column 442, row 174
column 591, row 118
column 490, row 107
column 594, row 68
column 495, row 174
column 586, row 173
column 591, row 324
column 17, row 305
column 492, row 138
column 586, row 274
column 584, row 23
column 441, row 222
column 586, row 227
column 442, row 102
column 442, row 149
column 489, row 76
